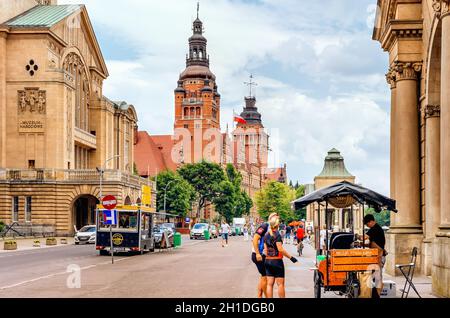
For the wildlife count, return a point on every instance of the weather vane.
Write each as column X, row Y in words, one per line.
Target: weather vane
column 251, row 84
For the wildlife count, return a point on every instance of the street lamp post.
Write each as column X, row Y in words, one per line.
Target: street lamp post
column 102, row 171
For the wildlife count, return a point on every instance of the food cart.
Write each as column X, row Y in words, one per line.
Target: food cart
column 339, row 266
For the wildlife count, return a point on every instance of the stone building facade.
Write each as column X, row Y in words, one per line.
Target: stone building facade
column 56, row 126
column 349, row 219
column 416, row 34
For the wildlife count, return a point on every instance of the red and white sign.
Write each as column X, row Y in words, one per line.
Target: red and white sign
column 109, row 202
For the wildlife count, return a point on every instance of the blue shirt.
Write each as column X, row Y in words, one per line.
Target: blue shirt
column 261, row 231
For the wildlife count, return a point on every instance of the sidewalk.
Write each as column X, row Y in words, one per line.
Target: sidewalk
column 26, row 244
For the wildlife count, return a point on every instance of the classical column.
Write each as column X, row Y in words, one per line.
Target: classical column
column 433, row 170
column 445, row 119
column 406, row 230
column 392, row 81
column 432, row 182
column 406, row 148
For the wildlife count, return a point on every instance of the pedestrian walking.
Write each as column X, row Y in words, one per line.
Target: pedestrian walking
column 288, row 235
column 258, row 256
column 273, row 246
column 225, row 230
column 245, row 233
column 323, row 236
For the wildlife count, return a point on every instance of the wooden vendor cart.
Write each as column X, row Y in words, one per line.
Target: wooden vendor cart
column 340, row 267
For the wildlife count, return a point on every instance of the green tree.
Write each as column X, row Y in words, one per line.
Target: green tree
column 383, row 218
column 300, row 191
column 226, row 201
column 179, row 196
column 275, row 197
column 232, row 201
column 206, row 179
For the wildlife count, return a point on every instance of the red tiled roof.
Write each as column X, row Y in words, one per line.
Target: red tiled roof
column 153, row 154
column 276, row 174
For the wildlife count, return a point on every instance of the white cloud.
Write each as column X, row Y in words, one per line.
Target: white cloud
column 320, row 76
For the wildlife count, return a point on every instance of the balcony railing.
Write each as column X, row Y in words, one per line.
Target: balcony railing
column 192, row 101
column 70, row 176
column 85, row 138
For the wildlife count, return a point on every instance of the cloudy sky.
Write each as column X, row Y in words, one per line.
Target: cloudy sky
column 320, row 76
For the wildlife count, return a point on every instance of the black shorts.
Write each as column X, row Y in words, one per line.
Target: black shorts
column 260, row 265
column 275, row 268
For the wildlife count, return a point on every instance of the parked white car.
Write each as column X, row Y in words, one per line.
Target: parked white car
column 87, row 235
column 198, row 231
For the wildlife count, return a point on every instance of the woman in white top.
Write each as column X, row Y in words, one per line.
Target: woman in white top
column 323, row 236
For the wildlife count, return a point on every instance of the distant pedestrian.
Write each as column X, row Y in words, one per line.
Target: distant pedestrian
column 323, row 238
column 245, row 230
column 225, row 230
column 288, row 235
column 273, row 246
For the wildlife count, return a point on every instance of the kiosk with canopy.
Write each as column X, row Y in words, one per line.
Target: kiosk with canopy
column 337, row 270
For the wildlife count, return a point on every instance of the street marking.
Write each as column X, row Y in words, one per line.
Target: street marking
column 61, row 273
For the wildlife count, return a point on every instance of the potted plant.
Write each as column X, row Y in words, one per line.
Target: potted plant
column 10, row 246
column 51, row 242
column 37, row 243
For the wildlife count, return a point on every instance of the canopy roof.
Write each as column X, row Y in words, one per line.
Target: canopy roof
column 346, row 189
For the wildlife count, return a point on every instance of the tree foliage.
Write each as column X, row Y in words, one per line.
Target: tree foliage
column 383, row 218
column 232, row 201
column 275, row 197
column 179, row 196
column 206, row 179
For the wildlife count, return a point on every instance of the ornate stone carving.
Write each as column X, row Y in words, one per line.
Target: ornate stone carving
column 441, row 7
column 32, row 100
column 432, row 111
column 391, row 78
column 407, row 70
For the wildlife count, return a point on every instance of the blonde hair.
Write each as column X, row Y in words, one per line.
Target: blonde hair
column 274, row 222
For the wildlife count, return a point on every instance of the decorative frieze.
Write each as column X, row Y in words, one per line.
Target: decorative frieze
column 441, row 7
column 407, row 70
column 432, row 111
column 32, row 100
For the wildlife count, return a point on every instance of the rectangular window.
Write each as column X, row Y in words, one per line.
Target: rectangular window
column 28, row 203
column 31, row 164
column 15, row 209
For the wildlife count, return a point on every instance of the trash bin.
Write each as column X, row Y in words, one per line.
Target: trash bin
column 207, row 235
column 238, row 231
column 177, row 240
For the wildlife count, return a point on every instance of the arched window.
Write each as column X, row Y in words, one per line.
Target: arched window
column 75, row 67
column 186, row 112
column 198, row 113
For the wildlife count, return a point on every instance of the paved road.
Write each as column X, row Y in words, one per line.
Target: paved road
column 198, row 269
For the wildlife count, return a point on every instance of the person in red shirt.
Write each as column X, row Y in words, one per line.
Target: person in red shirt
column 300, row 234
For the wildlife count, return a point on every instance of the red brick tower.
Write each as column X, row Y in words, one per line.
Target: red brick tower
column 197, row 101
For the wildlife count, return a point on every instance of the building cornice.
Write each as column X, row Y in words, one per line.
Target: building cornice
column 401, row 29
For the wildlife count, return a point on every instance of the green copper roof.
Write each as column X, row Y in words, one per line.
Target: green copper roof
column 334, row 166
column 44, row 16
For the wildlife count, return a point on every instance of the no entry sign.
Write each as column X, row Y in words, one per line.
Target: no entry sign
column 109, row 202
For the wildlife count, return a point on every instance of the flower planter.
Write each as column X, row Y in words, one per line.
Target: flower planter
column 37, row 244
column 63, row 241
column 10, row 246
column 51, row 242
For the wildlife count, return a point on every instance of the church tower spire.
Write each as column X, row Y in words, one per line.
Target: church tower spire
column 197, row 44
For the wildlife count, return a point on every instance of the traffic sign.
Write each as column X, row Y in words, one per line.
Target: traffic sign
column 188, row 220
column 109, row 202
column 110, row 217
